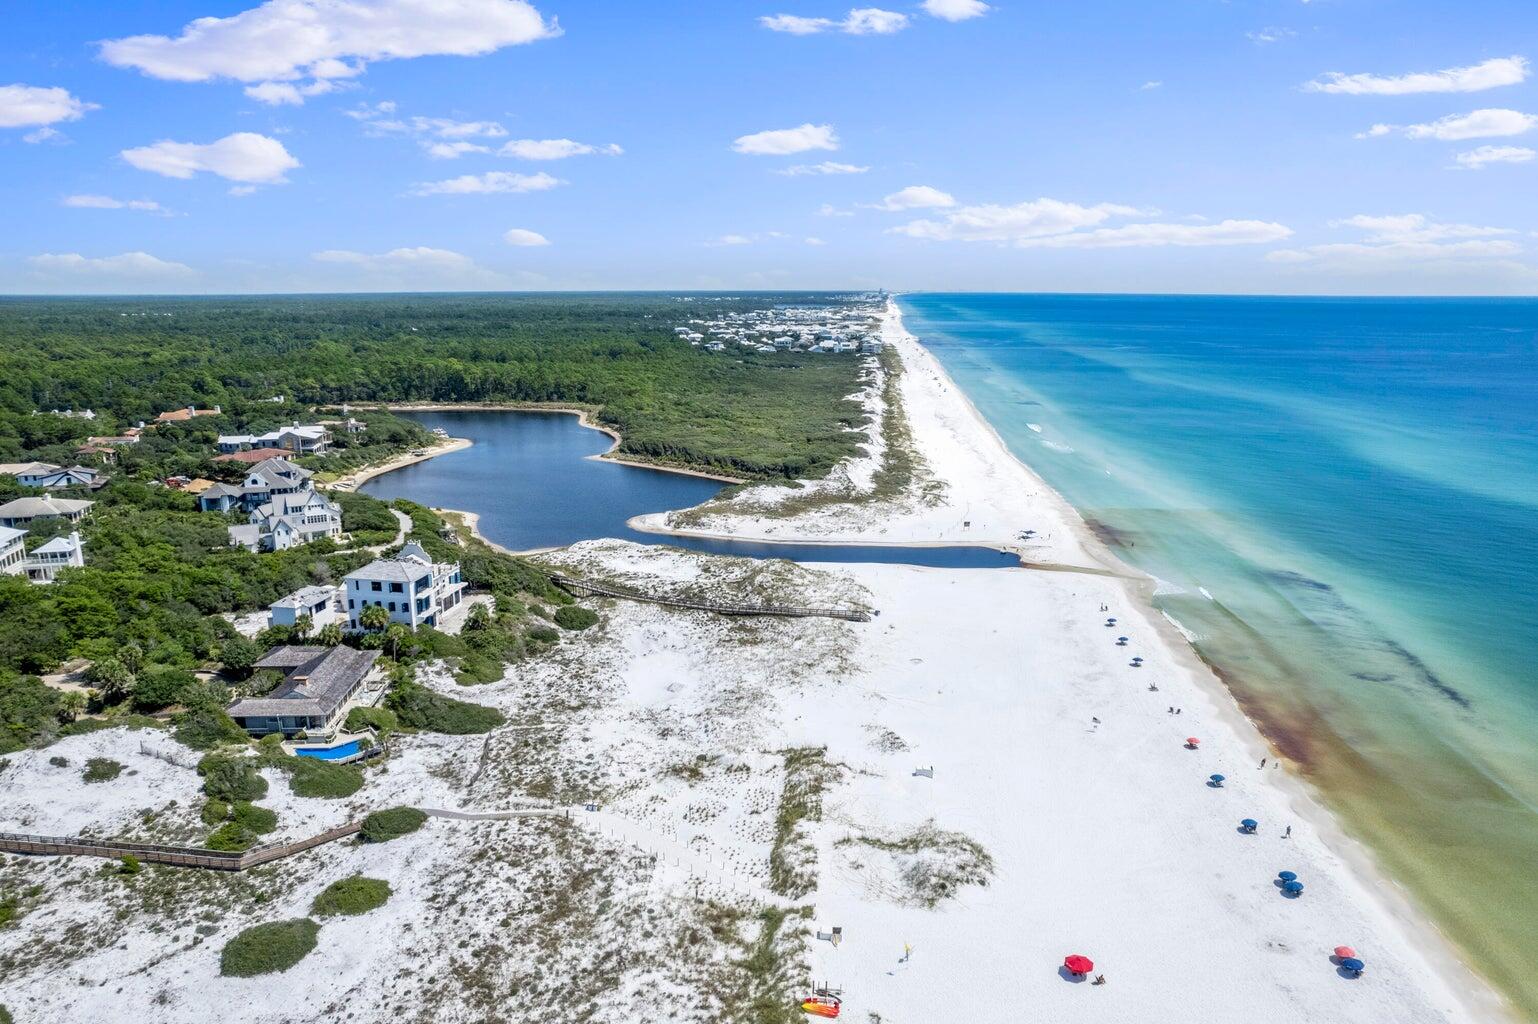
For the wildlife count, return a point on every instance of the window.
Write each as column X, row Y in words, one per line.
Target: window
column 396, row 588
column 392, row 606
column 349, row 602
column 376, row 587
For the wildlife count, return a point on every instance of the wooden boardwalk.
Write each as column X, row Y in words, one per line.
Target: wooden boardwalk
column 221, row 860
column 584, row 587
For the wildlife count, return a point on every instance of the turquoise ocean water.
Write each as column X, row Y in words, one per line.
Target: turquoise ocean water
column 1340, row 497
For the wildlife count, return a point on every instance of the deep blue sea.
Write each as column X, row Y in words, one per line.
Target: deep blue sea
column 1341, row 499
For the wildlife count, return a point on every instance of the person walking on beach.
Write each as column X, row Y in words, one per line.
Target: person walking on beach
column 1288, row 833
column 1262, row 762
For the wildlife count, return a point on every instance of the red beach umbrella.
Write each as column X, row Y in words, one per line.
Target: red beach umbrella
column 1345, row 952
column 1078, row 964
column 1192, row 741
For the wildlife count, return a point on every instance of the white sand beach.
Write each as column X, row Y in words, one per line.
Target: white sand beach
column 1064, row 812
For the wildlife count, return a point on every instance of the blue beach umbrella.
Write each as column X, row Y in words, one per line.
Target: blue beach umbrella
column 1351, row 963
column 1217, row 780
column 1249, row 824
column 1287, row 876
column 1292, row 888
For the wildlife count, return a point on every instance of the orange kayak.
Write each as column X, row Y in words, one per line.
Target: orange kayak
column 820, row 1006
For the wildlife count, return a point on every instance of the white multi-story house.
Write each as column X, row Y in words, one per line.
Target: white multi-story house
column 44, row 563
column 287, row 521
column 322, row 604
column 300, row 439
column 411, row 587
column 263, row 482
column 13, row 551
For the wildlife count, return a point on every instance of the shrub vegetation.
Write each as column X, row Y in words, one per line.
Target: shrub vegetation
column 268, row 948
column 350, row 896
column 383, row 826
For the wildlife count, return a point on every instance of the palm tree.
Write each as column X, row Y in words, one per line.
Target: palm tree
column 395, row 635
column 330, row 634
column 374, row 617
column 71, row 704
column 302, row 626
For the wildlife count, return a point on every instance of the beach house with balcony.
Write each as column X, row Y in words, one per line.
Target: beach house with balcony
column 287, row 521
column 313, row 698
column 411, row 587
column 44, row 563
column 13, row 551
column 312, row 439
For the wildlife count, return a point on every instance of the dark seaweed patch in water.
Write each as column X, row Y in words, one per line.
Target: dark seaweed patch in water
column 1430, row 678
column 1351, row 621
column 1107, row 534
column 1299, row 580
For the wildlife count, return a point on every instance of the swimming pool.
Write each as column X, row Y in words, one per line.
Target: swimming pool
column 331, row 753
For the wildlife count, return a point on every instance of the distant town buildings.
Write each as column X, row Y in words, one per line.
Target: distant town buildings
column 183, row 415
column 411, row 587
column 853, row 327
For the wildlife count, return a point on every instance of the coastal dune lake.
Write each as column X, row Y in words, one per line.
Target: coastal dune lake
column 531, row 479
column 1339, row 498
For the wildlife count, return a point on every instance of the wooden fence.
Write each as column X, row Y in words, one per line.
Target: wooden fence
column 584, row 587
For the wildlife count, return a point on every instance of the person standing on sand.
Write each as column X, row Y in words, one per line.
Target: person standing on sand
column 1288, row 833
column 1262, row 762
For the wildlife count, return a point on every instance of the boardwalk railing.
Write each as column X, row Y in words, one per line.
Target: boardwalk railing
column 181, row 856
column 222, row 860
column 584, row 587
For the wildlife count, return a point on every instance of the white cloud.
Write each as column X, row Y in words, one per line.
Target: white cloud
column 414, row 267
column 243, row 156
column 916, row 197
column 22, row 106
column 1403, row 238
column 730, row 240
column 1414, row 227
column 785, row 141
column 1476, row 77
column 452, row 150
column 287, row 41
column 861, row 21
column 554, row 149
column 1228, row 232
column 126, row 268
column 93, row 202
column 524, row 237
column 826, row 167
column 490, row 182
column 1479, row 124
column 1150, row 86
column 796, row 26
column 1053, row 223
column 814, row 240
column 1477, row 159
column 829, row 210
column 864, row 21
column 276, row 94
column 1270, row 35
column 955, row 10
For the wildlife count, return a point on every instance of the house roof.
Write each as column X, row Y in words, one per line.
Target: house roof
column 27, row 468
column 59, row 546
column 32, row 508
column 219, row 491
column 389, row 569
column 305, row 597
column 255, row 455
column 316, row 681
column 9, row 535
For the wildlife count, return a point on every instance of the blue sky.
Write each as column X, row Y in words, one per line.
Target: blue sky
column 1188, row 146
